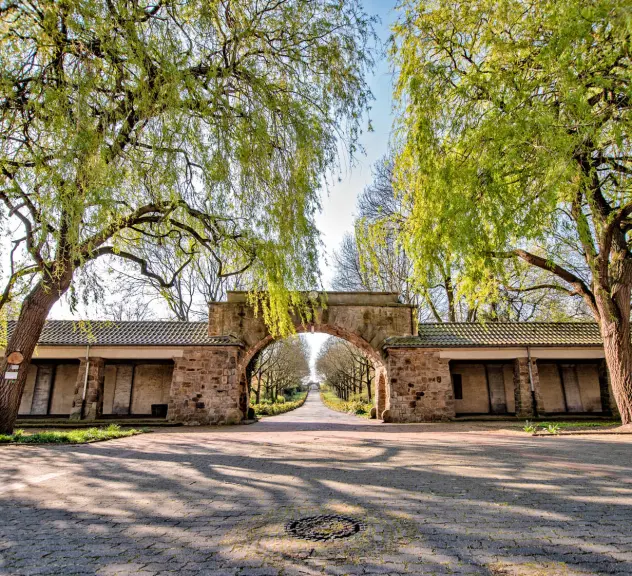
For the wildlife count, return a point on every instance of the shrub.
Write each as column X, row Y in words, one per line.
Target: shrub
column 268, row 409
column 280, row 400
column 357, row 404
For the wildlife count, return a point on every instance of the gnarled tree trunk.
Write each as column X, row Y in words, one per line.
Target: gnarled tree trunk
column 618, row 353
column 613, row 316
column 24, row 339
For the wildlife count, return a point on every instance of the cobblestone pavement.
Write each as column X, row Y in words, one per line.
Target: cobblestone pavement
column 435, row 499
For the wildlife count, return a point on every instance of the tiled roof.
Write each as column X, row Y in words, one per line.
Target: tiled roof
column 466, row 335
column 142, row 333
column 447, row 335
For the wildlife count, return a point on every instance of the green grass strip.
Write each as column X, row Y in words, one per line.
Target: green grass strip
column 580, row 423
column 77, row 436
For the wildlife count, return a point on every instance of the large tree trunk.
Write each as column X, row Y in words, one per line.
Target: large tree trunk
column 614, row 325
column 618, row 351
column 24, row 338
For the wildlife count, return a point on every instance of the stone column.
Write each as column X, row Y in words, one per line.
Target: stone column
column 206, row 388
column 420, row 386
column 244, row 394
column 380, row 391
column 92, row 406
column 522, row 388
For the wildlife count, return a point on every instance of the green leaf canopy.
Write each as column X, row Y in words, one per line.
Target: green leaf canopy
column 209, row 122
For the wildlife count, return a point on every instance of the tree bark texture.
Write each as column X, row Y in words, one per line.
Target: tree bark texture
column 24, row 338
column 615, row 332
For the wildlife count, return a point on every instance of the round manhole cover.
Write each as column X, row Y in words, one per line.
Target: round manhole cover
column 322, row 528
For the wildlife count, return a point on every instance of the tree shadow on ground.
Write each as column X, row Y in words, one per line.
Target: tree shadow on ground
column 216, row 502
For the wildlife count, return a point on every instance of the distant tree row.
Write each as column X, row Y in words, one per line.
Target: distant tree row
column 279, row 369
column 345, row 369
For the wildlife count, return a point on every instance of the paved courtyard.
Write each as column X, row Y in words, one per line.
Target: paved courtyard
column 434, row 499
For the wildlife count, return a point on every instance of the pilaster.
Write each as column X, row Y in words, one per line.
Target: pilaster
column 90, row 407
column 522, row 388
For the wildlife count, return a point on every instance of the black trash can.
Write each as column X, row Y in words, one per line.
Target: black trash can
column 159, row 410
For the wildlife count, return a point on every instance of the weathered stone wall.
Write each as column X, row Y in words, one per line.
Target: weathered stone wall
column 420, row 386
column 510, row 396
column 588, row 379
column 366, row 326
column 608, row 403
column 205, row 388
column 29, row 388
column 475, row 393
column 381, row 396
column 152, row 384
column 522, row 388
column 122, row 397
column 109, row 386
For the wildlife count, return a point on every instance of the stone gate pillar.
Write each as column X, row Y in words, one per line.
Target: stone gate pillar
column 420, row 386
column 206, row 387
column 90, row 408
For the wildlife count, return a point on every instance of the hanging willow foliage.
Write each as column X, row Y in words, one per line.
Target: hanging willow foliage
column 211, row 123
column 515, row 143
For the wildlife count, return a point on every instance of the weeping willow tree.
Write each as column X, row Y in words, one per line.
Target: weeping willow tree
column 207, row 122
column 515, row 127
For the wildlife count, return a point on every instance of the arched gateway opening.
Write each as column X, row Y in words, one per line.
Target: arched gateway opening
column 366, row 319
column 378, row 373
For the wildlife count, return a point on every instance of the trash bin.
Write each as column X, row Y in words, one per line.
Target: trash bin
column 159, row 410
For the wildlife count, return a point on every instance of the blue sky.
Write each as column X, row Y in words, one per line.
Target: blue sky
column 339, row 204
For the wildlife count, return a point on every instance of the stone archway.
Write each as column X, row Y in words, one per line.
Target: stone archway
column 376, row 357
column 366, row 319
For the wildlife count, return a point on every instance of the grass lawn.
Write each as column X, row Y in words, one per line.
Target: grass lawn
column 77, row 436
